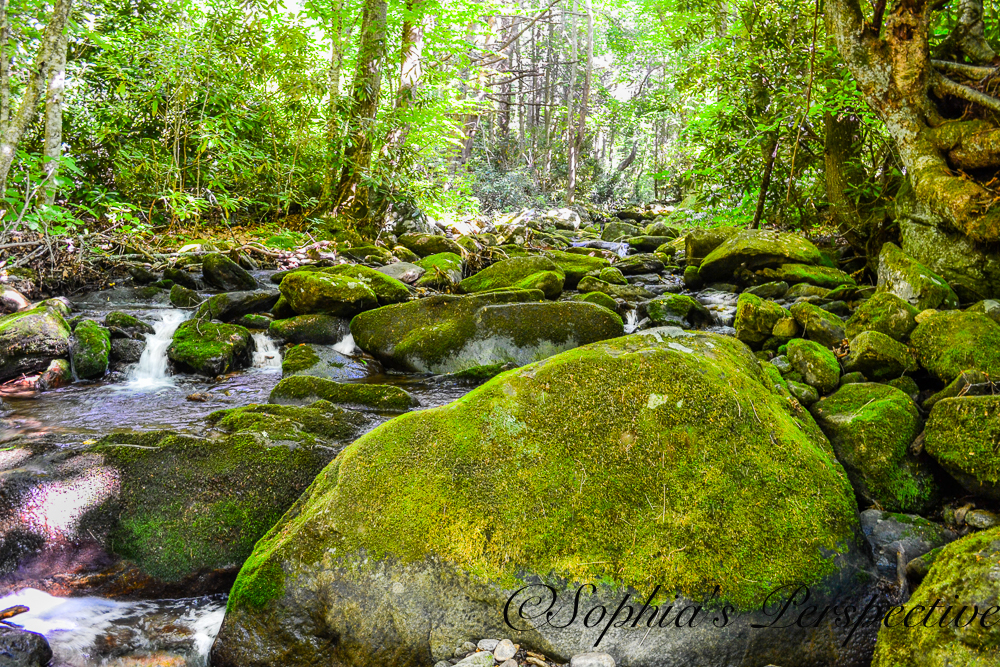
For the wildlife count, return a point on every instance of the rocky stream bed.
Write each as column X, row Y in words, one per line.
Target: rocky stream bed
column 358, row 459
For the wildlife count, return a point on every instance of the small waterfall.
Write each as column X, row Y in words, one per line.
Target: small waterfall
column 345, row 346
column 631, row 321
column 266, row 354
column 153, row 366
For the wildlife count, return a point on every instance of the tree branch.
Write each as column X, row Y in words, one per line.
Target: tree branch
column 942, row 85
column 976, row 72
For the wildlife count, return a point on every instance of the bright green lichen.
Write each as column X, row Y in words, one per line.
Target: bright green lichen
column 962, row 434
column 885, row 313
column 306, row 388
column 949, row 343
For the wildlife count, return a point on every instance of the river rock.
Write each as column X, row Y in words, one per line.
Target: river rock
column 871, row 427
column 913, row 282
column 209, row 348
column 613, row 275
column 387, row 289
column 823, row 327
column 634, row 265
column 89, row 349
column 678, row 310
column 879, row 357
column 618, row 231
column 889, row 533
column 21, row 648
column 124, row 325
column 592, row 659
column 180, row 277
column 223, row 273
column 699, row 243
column 575, row 266
column 319, row 328
column 229, row 306
column 12, row 301
column 323, row 361
column 58, row 374
column 627, row 292
column 885, row 313
column 794, row 274
column 773, row 290
column 408, row 516
column 310, row 292
column 182, row 297
column 449, row 334
column 429, row 244
column 160, row 514
column 817, row 365
column 988, row 307
column 961, row 435
column 31, row 339
column 531, row 272
column 756, row 318
column 949, row 343
column 443, row 271
column 404, row 272
column 964, row 574
column 756, row 249
column 304, row 389
column 125, row 351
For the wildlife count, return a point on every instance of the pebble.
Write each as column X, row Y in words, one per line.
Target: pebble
column 481, row 659
column 592, row 660
column 504, row 650
column 509, row 663
column 464, row 649
column 487, row 644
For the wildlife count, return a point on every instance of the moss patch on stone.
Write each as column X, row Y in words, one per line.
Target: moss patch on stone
column 210, row 348
column 386, row 288
column 962, row 435
column 310, row 292
column 885, row 313
column 304, row 389
column 949, row 343
column 90, row 349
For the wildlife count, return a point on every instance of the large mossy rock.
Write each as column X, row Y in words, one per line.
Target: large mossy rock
column 575, row 266
column 386, row 288
column 821, row 326
column 817, row 365
column 90, row 349
column 878, row 357
column 794, row 274
column 626, row 292
column 210, row 348
column 449, row 334
column 871, row 427
column 123, row 325
column 223, row 273
column 756, row 317
column 885, row 313
column 425, row 245
column 678, row 310
column 758, row 249
column 31, row 339
column 962, row 435
column 699, row 243
column 963, row 575
column 230, row 306
column 323, row 361
column 913, row 282
column 442, row 271
column 519, row 272
column 621, row 463
column 319, row 328
column 305, row 389
column 949, row 343
column 310, row 292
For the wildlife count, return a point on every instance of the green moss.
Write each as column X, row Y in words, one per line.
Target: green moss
column 535, row 272
column 817, row 364
column 305, row 388
column 756, row 249
column 625, row 461
column 600, row 298
column 318, row 328
column 885, row 313
column 755, row 318
column 627, row 292
column 429, row 244
column 91, row 345
column 387, row 289
column 310, row 292
column 182, row 297
column 321, row 419
column 962, row 434
column 677, row 310
column 210, row 348
column 820, row 276
column 949, row 343
column 612, row 275
column 127, row 322
column 878, row 356
column 962, row 575
column 443, row 271
column 575, row 266
column 823, row 327
column 297, row 359
column 911, row 281
column 871, row 427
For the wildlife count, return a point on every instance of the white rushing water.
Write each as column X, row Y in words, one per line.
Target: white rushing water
column 153, row 367
column 82, row 631
column 266, row 353
column 631, row 321
column 346, row 346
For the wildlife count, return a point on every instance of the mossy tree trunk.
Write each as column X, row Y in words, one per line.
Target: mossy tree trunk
column 948, row 159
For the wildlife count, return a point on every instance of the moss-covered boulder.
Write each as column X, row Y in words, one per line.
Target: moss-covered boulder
column 311, row 292
column 756, row 249
column 634, row 265
column 793, row 274
column 575, row 266
column 613, row 275
column 123, row 325
column 305, row 389
column 442, row 272
column 913, row 282
column 31, row 339
column 961, row 583
column 892, row 532
column 181, row 277
column 879, row 357
column 448, row 334
column 530, row 272
column 886, row 313
column 678, row 310
column 755, row 318
column 949, row 343
column 627, row 292
column 819, row 325
column 223, row 273
column 989, row 307
column 817, row 364
column 89, row 349
column 618, row 231
column 322, row 361
column 871, row 427
column 429, row 244
column 773, row 290
column 229, row 306
column 962, row 435
column 699, row 243
column 386, row 288
column 600, row 298
column 182, row 297
column 319, row 328
column 210, row 348
column 623, row 463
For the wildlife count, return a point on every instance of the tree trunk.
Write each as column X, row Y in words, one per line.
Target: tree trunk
column 577, row 142
column 354, row 198
column 894, row 70
column 53, row 118
column 4, row 71
column 770, row 155
column 18, row 125
column 338, row 36
column 570, row 90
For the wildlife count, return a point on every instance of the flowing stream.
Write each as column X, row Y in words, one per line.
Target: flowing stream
column 266, row 353
column 153, row 367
